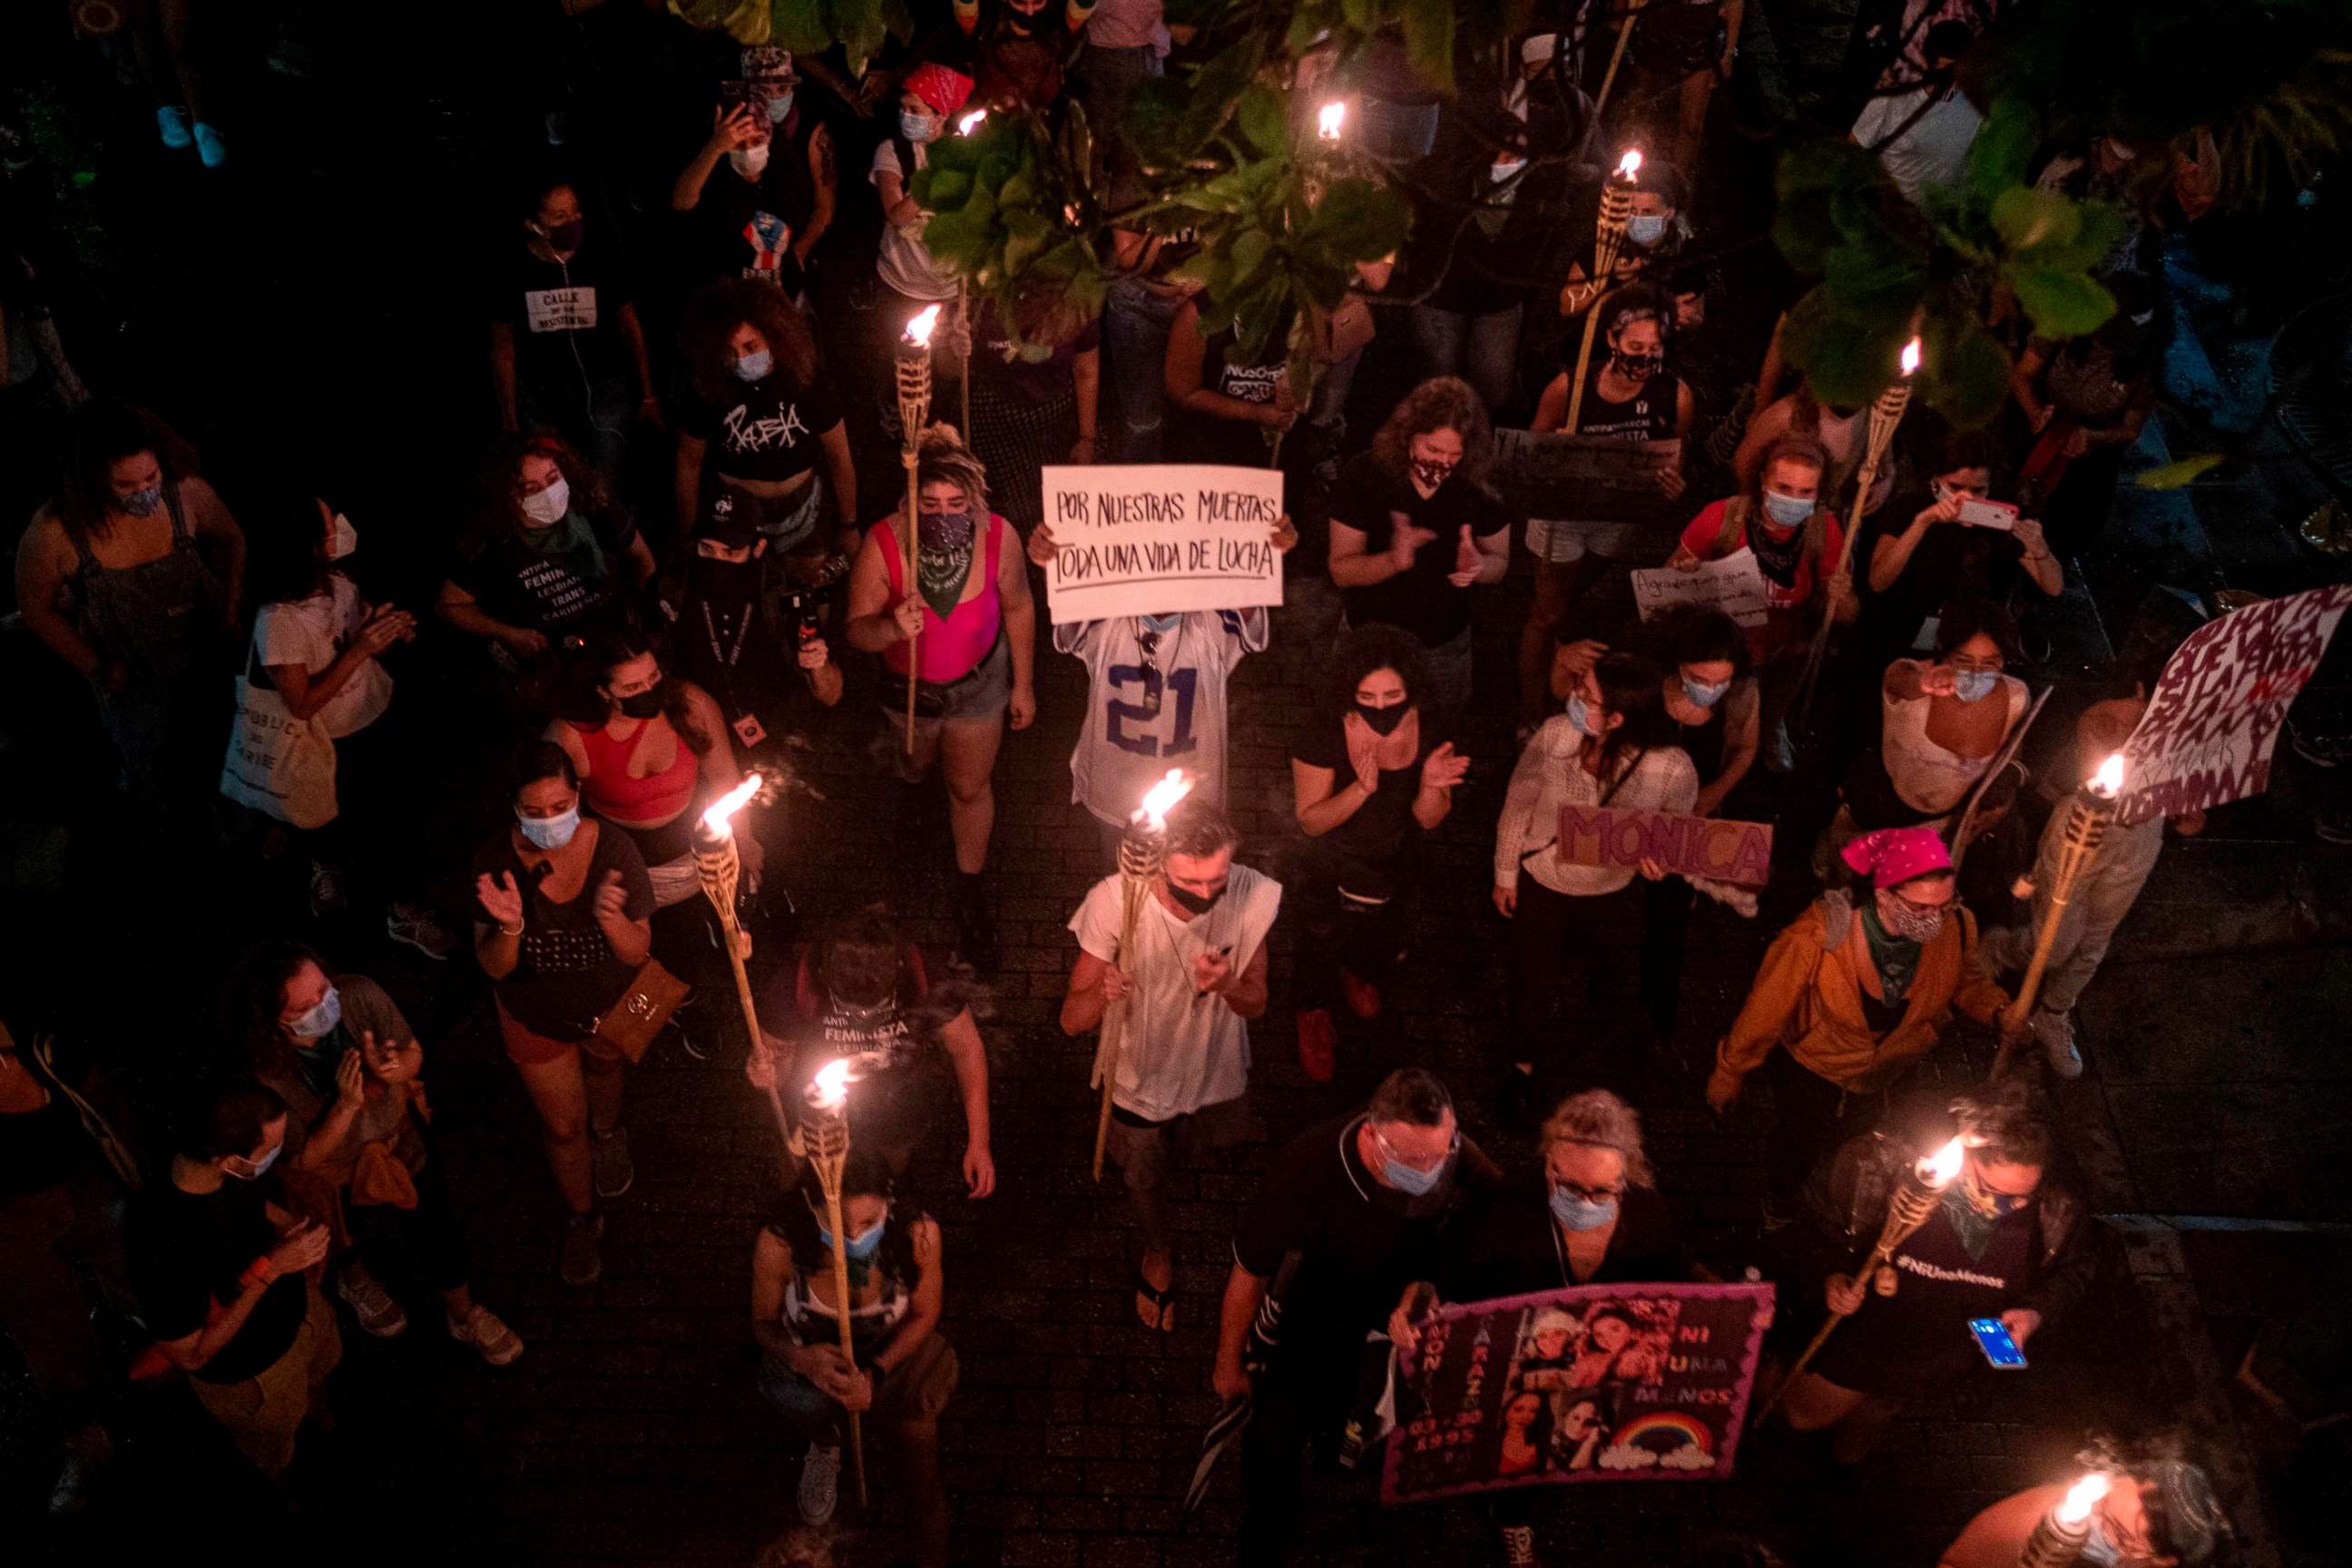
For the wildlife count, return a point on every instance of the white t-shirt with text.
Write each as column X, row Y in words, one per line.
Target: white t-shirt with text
column 1125, row 746
column 313, row 632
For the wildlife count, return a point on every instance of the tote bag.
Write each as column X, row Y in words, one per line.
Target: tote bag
column 280, row 765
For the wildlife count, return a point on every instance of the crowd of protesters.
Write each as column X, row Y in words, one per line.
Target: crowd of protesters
column 637, row 650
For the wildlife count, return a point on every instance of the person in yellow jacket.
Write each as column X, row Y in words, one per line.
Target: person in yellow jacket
column 1854, row 994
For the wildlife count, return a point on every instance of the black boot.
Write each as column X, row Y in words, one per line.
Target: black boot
column 976, row 946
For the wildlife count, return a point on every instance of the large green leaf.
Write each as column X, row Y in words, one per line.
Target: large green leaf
column 2005, row 143
column 1429, row 40
column 1264, row 122
column 2028, row 215
column 2062, row 304
column 1968, row 379
column 2098, row 229
column 1361, row 221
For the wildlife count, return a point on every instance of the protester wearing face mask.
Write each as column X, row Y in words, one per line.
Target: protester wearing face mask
column 1850, row 998
column 931, row 100
column 1370, row 777
column 223, row 1273
column 1656, row 233
column 1353, row 1209
column 548, row 554
column 761, row 219
column 338, row 1051
column 904, row 1372
column 2087, row 400
column 1593, row 1216
column 1842, row 435
column 1414, row 528
column 1195, row 978
column 765, row 422
column 751, row 640
column 1037, row 391
column 567, row 352
column 131, row 575
column 2160, row 1511
column 1942, row 725
column 2004, row 1241
column 861, row 994
column 565, row 924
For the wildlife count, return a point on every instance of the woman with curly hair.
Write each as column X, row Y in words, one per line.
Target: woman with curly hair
column 973, row 628
column 760, row 413
column 1414, row 529
column 1370, row 775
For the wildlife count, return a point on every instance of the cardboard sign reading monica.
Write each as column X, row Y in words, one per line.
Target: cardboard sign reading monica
column 2213, row 720
column 1585, row 478
column 1598, row 1383
column 1152, row 539
column 1734, row 584
column 1685, row 845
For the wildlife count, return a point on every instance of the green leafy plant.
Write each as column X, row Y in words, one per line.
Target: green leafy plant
column 804, row 26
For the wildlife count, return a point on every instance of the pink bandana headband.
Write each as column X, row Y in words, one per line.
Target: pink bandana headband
column 1895, row 855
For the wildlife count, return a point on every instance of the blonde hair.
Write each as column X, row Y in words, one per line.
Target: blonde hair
column 941, row 458
column 1599, row 1120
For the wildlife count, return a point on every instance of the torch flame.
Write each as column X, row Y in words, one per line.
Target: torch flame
column 970, row 123
column 715, row 821
column 2108, row 782
column 1629, row 166
column 831, row 1085
column 1327, row 118
column 1911, row 356
column 1162, row 798
column 919, row 331
column 2080, row 1497
column 1938, row 1169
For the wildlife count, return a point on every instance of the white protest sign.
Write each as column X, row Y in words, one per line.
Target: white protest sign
column 560, row 310
column 2212, row 722
column 1154, row 538
column 1734, row 584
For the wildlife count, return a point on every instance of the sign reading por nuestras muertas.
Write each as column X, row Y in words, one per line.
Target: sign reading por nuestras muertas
column 1600, row 1382
column 2213, row 720
column 1152, row 539
column 1713, row 848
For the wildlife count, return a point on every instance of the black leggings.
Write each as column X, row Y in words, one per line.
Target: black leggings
column 1546, row 925
column 1340, row 931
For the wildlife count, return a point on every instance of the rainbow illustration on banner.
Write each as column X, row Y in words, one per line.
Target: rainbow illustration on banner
column 1666, row 1440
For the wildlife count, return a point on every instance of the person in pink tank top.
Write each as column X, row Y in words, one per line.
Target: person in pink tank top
column 972, row 662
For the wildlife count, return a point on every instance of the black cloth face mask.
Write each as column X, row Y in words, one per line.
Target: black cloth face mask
column 1198, row 903
column 1383, row 721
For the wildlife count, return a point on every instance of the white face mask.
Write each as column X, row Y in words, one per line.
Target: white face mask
column 750, row 162
column 343, row 539
column 548, row 507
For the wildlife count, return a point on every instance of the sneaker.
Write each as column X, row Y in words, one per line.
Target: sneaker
column 608, row 1156
column 2056, row 1033
column 326, row 891
column 1363, row 997
column 212, row 148
column 172, row 125
column 378, row 1313
column 580, row 1261
column 414, row 925
column 1318, row 1045
column 1780, row 750
column 696, row 1032
column 1518, row 1546
column 820, row 1483
column 486, row 1333
column 2317, row 748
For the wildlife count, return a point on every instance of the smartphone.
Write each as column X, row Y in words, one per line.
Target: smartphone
column 1998, row 514
column 1994, row 1338
column 751, row 96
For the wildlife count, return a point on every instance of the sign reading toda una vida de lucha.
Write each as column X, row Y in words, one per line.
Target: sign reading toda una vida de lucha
column 1154, row 539
column 2213, row 720
column 1705, row 846
column 1595, row 1382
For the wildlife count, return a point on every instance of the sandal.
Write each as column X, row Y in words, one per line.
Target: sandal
column 1156, row 1308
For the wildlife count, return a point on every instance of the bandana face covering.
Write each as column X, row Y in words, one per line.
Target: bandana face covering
column 946, row 559
column 1431, row 473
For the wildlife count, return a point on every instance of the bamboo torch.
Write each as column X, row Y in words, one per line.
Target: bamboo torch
column 719, row 865
column 2088, row 813
column 1885, row 414
column 1608, row 236
column 914, row 414
column 1142, row 852
column 1908, row 1207
column 2060, row 1535
column 965, row 127
column 829, row 1152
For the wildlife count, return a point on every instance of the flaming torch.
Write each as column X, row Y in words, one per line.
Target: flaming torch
column 914, row 414
column 1328, row 119
column 2060, row 1535
column 829, row 1152
column 2087, row 816
column 1142, row 852
column 1907, row 1208
column 1885, row 416
column 719, row 865
column 965, row 127
column 1608, row 236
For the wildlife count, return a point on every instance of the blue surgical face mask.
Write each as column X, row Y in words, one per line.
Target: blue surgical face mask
column 2099, row 1552
column 141, row 503
column 319, row 1021
column 550, row 832
column 1645, row 229
column 1581, row 1214
column 755, row 366
column 1405, row 1179
column 862, row 1246
column 253, row 1169
column 1579, row 713
column 1702, row 694
column 778, row 107
column 1786, row 511
column 1973, row 685
column 917, row 127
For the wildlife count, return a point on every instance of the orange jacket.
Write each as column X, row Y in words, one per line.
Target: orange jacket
column 1809, row 1002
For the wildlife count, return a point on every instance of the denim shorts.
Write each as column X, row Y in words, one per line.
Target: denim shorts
column 980, row 692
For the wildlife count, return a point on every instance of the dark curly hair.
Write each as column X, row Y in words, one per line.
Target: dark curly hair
column 1444, row 403
column 1633, row 686
column 497, row 512
column 252, row 998
column 1374, row 645
column 1966, row 617
column 714, row 311
column 98, row 436
column 1697, row 634
column 2186, row 1519
column 2006, row 1123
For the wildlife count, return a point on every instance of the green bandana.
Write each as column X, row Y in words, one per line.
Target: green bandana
column 1895, row 958
column 944, row 560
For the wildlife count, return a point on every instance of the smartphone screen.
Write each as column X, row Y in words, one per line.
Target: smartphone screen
column 1989, row 514
column 1995, row 1341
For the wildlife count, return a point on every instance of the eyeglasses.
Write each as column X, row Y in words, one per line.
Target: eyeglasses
column 1416, row 1162
column 1590, row 1195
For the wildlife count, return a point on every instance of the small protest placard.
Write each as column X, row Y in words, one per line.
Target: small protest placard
column 1585, row 478
column 1734, row 584
column 572, row 310
column 1711, row 847
column 2213, row 720
column 1598, row 1383
column 1152, row 538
